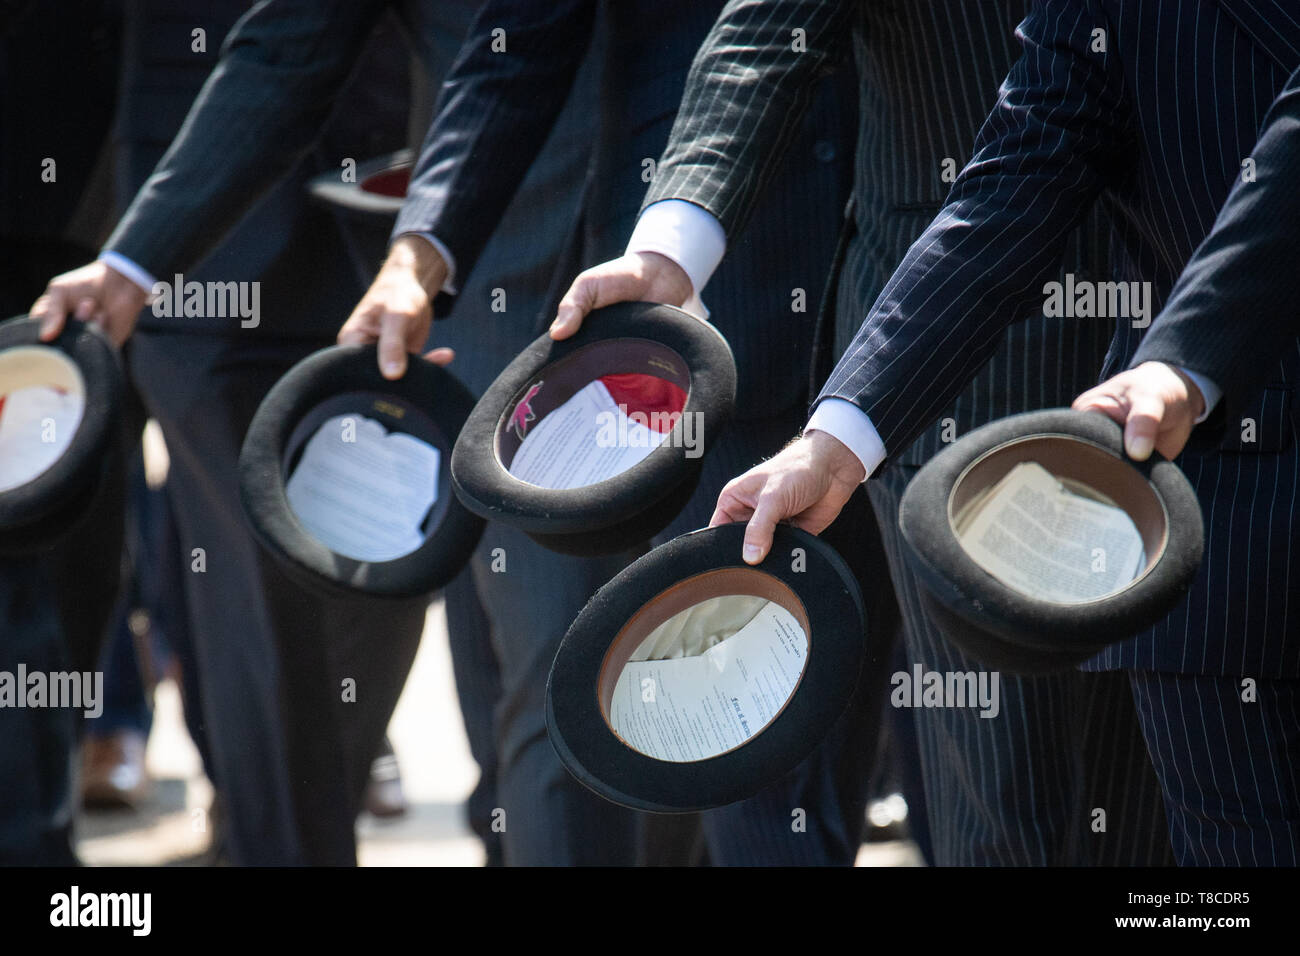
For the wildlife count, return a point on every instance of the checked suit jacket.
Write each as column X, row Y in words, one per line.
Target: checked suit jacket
column 1150, row 110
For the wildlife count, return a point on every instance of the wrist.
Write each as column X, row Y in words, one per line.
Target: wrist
column 1195, row 399
column 419, row 258
column 666, row 281
column 842, row 463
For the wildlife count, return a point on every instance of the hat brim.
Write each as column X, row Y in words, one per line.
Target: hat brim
column 632, row 506
column 377, row 191
column 38, row 514
column 428, row 402
column 1003, row 627
column 820, row 592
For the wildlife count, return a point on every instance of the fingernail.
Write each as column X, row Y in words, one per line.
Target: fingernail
column 1139, row 448
column 751, row 552
column 392, row 368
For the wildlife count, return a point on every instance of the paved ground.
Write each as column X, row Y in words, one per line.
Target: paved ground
column 437, row 772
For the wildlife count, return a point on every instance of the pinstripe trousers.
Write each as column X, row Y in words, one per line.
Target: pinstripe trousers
column 1059, row 777
column 1195, row 726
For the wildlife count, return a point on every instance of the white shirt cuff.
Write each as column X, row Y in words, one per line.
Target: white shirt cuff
column 688, row 234
column 448, row 284
column 842, row 420
column 120, row 263
column 1209, row 391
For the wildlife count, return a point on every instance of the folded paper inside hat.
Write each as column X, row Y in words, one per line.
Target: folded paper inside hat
column 42, row 400
column 1050, row 538
column 605, row 428
column 362, row 492
column 709, row 678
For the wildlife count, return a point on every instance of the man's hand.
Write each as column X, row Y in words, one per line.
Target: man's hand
column 808, row 483
column 635, row 277
column 94, row 293
column 1156, row 403
column 397, row 309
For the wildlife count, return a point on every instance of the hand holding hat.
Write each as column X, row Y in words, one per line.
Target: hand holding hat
column 807, row 483
column 397, row 309
column 94, row 293
column 1157, row 404
column 635, row 277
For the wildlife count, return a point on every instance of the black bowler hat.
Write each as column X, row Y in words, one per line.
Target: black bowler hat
column 378, row 189
column 630, row 725
column 681, row 367
column 1007, row 622
column 60, row 429
column 344, row 475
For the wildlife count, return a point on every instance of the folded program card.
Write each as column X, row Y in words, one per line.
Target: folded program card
column 36, row 426
column 362, row 492
column 587, row 439
column 1035, row 535
column 698, row 706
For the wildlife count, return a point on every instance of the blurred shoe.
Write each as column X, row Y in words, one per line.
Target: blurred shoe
column 384, row 796
column 113, row 774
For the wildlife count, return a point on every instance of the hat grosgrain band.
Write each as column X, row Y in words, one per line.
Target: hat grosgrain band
column 822, row 596
column 630, row 507
column 322, row 384
column 40, row 512
column 1003, row 627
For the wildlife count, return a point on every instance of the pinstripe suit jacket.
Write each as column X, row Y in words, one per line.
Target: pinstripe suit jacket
column 927, row 76
column 497, row 108
column 1150, row 109
column 1245, row 273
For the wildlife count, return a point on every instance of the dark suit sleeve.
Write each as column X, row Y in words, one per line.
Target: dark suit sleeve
column 493, row 115
column 1238, row 300
column 260, row 111
column 1042, row 157
column 751, row 81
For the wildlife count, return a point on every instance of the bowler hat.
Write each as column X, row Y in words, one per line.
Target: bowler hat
column 653, row 712
column 1018, row 617
column 344, row 475
column 635, row 374
column 60, row 429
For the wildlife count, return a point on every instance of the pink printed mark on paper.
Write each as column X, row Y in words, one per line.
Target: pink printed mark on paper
column 523, row 413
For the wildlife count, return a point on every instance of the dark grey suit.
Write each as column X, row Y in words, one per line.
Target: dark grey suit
column 291, row 763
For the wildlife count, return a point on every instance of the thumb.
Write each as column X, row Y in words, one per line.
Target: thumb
column 440, row 356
